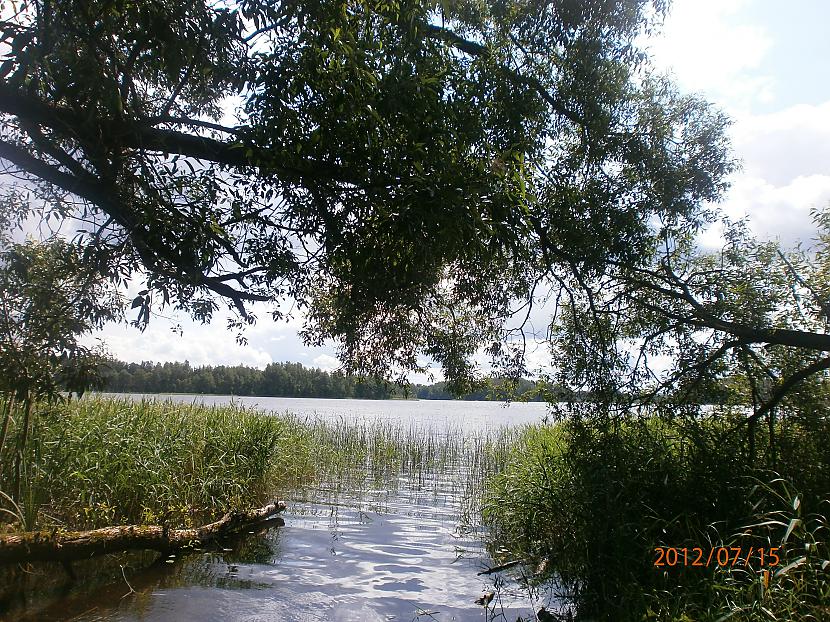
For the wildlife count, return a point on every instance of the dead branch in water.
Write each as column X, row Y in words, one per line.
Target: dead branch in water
column 501, row 567
column 64, row 546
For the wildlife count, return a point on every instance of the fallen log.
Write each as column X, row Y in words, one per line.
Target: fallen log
column 65, row 546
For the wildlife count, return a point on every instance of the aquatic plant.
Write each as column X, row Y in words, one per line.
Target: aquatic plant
column 100, row 461
column 596, row 505
column 95, row 462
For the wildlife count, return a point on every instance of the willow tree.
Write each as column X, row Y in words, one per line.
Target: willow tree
column 409, row 172
column 745, row 325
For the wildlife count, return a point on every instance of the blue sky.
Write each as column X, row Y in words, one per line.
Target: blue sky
column 799, row 48
column 764, row 62
column 759, row 56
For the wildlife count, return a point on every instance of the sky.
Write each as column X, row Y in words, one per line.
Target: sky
column 763, row 62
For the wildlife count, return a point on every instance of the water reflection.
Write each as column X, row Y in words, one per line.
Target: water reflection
column 383, row 543
column 327, row 563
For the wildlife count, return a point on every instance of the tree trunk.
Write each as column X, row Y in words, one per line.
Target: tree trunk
column 74, row 545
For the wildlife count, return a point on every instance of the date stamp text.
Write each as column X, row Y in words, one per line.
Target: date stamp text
column 723, row 556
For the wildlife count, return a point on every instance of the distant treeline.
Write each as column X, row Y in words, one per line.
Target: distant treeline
column 276, row 380
column 525, row 390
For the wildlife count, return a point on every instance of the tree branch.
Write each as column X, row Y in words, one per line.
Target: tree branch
column 137, row 135
column 73, row 545
column 705, row 319
column 476, row 49
column 148, row 248
column 782, row 390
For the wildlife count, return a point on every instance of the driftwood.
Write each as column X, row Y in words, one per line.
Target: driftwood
column 501, row 567
column 65, row 546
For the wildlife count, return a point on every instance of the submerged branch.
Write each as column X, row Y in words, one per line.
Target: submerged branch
column 73, row 545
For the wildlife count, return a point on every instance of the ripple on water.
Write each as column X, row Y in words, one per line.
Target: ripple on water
column 350, row 565
column 394, row 553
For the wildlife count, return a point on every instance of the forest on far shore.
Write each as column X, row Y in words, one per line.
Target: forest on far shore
column 281, row 380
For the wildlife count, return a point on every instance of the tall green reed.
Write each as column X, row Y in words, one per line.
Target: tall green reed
column 101, row 461
column 94, row 461
column 594, row 501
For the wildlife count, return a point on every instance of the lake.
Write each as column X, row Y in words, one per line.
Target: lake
column 437, row 415
column 407, row 548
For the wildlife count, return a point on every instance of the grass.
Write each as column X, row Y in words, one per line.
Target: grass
column 594, row 499
column 101, row 461
column 98, row 462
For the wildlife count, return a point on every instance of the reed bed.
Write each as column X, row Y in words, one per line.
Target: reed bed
column 374, row 463
column 592, row 504
column 101, row 461
column 96, row 462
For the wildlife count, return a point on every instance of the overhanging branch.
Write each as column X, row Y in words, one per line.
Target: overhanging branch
column 148, row 248
column 140, row 134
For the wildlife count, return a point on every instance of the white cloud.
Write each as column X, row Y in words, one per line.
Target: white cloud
column 785, row 174
column 539, row 359
column 723, row 49
column 775, row 212
column 779, row 212
column 707, row 52
column 201, row 345
column 326, row 362
column 783, row 145
column 213, row 344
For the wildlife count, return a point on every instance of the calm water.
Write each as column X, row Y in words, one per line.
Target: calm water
column 408, row 549
column 439, row 415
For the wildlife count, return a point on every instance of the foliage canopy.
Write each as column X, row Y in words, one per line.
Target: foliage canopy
column 408, row 172
column 48, row 299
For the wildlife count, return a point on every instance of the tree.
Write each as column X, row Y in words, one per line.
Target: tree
column 410, row 173
column 747, row 325
column 49, row 298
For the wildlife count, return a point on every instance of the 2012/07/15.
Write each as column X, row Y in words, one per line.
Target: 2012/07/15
column 721, row 555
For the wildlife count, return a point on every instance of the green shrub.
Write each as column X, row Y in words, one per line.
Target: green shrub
column 595, row 498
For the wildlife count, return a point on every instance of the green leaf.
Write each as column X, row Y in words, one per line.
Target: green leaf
column 795, row 522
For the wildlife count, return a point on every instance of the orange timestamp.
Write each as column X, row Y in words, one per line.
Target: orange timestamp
column 722, row 556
